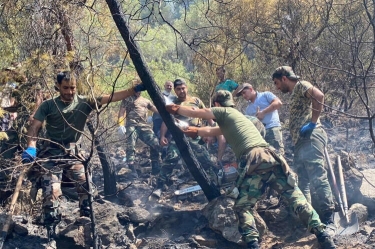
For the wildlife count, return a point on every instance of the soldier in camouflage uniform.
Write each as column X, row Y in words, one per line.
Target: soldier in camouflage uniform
column 135, row 108
column 65, row 117
column 173, row 154
column 309, row 139
column 259, row 166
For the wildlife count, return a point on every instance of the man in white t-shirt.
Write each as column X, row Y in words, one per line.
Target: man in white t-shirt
column 264, row 106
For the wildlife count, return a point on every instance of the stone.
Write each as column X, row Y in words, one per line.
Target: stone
column 367, row 190
column 361, row 211
column 222, row 218
column 212, row 243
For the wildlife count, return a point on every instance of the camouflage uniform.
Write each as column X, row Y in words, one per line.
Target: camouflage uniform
column 259, row 125
column 258, row 170
column 309, row 152
column 200, row 151
column 48, row 177
column 259, row 166
column 137, row 127
column 64, row 125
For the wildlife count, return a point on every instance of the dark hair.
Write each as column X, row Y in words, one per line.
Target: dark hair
column 278, row 75
column 178, row 82
column 221, row 67
column 65, row 75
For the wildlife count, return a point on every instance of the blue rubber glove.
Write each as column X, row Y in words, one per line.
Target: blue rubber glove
column 307, row 129
column 29, row 155
column 139, row 88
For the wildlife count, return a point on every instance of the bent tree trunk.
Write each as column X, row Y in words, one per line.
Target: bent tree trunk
column 208, row 187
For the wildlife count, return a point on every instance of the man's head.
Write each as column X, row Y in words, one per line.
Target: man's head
column 246, row 90
column 66, row 85
column 180, row 88
column 284, row 79
column 224, row 98
column 220, row 72
column 168, row 86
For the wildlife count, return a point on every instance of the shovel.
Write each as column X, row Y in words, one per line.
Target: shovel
column 345, row 225
column 349, row 225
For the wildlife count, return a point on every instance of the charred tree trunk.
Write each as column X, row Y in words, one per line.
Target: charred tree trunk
column 109, row 172
column 208, row 187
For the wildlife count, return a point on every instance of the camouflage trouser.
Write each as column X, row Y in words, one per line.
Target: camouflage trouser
column 274, row 137
column 147, row 136
column 9, row 147
column 252, row 189
column 48, row 176
column 309, row 165
column 173, row 155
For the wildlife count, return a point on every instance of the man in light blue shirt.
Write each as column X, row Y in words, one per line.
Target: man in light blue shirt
column 264, row 106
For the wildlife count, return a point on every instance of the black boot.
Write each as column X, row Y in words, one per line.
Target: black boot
column 325, row 240
column 253, row 245
column 155, row 168
column 84, row 209
column 328, row 220
column 133, row 169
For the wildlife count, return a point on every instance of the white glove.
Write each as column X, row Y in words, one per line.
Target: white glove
column 121, row 130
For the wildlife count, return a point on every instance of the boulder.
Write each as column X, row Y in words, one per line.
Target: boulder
column 367, row 190
column 222, row 219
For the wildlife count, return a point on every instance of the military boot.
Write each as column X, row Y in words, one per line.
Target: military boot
column 133, row 169
column 253, row 245
column 155, row 168
column 84, row 209
column 325, row 240
column 328, row 220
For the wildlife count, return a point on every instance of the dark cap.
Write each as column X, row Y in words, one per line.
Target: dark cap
column 224, row 98
column 243, row 87
column 285, row 71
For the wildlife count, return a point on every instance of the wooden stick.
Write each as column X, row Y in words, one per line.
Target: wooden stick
column 343, row 190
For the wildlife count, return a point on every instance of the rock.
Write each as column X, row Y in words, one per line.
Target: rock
column 212, row 243
column 222, row 218
column 367, row 190
column 138, row 214
column 361, row 211
column 20, row 229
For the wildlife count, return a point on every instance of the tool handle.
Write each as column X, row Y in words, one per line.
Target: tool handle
column 334, row 183
column 342, row 186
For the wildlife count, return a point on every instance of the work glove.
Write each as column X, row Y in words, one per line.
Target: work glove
column 172, row 109
column 191, row 131
column 29, row 155
column 232, row 192
column 307, row 129
column 139, row 88
column 121, row 130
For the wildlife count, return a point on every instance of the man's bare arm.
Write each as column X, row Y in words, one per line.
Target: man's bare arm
column 32, row 133
column 117, row 96
column 317, row 100
column 204, row 113
column 208, row 131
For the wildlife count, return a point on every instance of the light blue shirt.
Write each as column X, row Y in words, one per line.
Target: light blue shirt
column 263, row 100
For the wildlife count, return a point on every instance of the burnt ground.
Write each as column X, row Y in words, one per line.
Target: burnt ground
column 173, row 222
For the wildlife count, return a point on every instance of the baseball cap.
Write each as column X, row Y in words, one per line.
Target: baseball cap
column 242, row 87
column 224, row 98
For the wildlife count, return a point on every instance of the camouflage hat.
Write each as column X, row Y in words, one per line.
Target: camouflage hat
column 285, row 71
column 224, row 98
column 243, row 87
